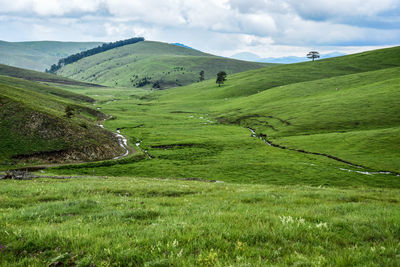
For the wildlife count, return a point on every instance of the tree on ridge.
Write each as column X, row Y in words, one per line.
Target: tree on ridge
column 313, row 55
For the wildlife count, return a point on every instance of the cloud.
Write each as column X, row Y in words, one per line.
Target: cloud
column 212, row 25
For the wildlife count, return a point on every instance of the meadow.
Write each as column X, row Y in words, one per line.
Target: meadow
column 130, row 221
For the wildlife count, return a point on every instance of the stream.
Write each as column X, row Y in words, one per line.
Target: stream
column 263, row 137
column 122, row 141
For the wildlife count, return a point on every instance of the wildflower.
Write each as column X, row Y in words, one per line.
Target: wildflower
column 322, row 225
column 180, row 253
column 239, row 245
column 286, row 219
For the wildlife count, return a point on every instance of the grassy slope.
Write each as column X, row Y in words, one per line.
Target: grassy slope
column 171, row 65
column 252, row 82
column 358, row 119
column 179, row 127
column 33, row 121
column 39, row 55
column 31, row 75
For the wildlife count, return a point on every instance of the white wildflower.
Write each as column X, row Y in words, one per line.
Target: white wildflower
column 322, row 225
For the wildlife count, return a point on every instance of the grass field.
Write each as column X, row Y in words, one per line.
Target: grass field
column 154, row 62
column 151, row 222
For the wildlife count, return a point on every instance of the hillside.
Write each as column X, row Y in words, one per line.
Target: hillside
column 41, row 77
column 346, row 107
column 151, row 64
column 39, row 55
column 34, row 127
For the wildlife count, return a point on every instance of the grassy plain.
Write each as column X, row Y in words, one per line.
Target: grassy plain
column 153, row 222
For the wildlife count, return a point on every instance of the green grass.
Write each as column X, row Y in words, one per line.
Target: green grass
column 151, row 222
column 170, row 65
column 39, row 55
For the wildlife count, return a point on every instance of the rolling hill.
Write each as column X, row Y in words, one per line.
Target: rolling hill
column 39, row 55
column 151, row 64
column 201, row 130
column 35, row 128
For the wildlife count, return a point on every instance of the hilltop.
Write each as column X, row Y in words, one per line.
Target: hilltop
column 152, row 64
column 39, row 55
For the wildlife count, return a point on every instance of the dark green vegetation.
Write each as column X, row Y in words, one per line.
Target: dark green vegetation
column 270, row 206
column 93, row 51
column 152, row 64
column 150, row 222
column 36, row 127
column 39, row 55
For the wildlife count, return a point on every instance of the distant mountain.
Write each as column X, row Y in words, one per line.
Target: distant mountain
column 39, row 55
column 282, row 60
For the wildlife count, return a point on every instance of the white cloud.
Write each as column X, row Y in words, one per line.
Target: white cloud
column 213, row 25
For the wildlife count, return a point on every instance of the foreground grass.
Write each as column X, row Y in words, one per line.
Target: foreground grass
column 153, row 222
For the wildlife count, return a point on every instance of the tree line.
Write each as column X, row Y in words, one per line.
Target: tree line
column 101, row 48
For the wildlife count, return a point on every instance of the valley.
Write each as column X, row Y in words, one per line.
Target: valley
column 281, row 165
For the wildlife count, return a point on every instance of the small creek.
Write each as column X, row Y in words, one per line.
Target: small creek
column 122, row 141
column 264, row 138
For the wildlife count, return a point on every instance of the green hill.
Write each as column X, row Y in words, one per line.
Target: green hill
column 152, row 64
column 317, row 106
column 34, row 126
column 39, row 55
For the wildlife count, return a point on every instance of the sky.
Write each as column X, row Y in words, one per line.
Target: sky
column 268, row 28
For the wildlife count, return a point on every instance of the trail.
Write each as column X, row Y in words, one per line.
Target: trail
column 268, row 142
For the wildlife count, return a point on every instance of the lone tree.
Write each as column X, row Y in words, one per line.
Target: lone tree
column 221, row 78
column 313, row 55
column 201, row 76
column 69, row 111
